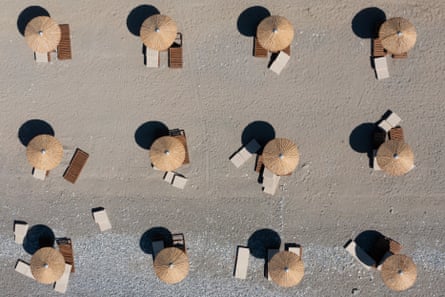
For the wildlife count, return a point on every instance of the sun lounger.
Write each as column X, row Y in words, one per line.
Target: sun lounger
column 20, row 230
column 24, row 268
column 393, row 119
column 396, row 134
column 245, row 153
column 157, row 246
column 377, row 48
column 280, row 62
column 242, row 262
column 178, row 241
column 66, row 249
column 360, row 255
column 62, row 284
column 151, row 58
column 381, row 68
column 270, row 254
column 180, row 135
column 175, row 53
column 41, row 57
column 258, row 50
column 375, row 165
column 39, row 174
column 77, row 163
column 383, row 124
column 175, row 179
column 64, row 47
column 298, row 250
column 400, row 56
column 168, row 176
column 270, row 182
column 101, row 218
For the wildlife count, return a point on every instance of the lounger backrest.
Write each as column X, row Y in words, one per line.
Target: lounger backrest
column 38, row 173
column 296, row 250
column 20, row 230
column 179, row 181
column 384, row 125
column 381, row 68
column 101, row 218
column 393, row 119
column 242, row 262
column 280, row 62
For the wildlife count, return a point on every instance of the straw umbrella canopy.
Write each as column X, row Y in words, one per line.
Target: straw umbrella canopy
column 47, row 265
column 395, row 157
column 398, row 35
column 167, row 153
column 280, row 155
column 42, row 34
column 44, row 152
column 286, row 269
column 275, row 33
column 171, row 265
column 399, row 272
column 158, row 32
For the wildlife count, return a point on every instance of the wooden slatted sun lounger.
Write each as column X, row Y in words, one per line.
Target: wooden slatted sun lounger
column 77, row 163
column 400, row 56
column 180, row 135
column 396, row 133
column 175, row 53
column 377, row 48
column 258, row 50
column 66, row 249
column 64, row 47
column 241, row 262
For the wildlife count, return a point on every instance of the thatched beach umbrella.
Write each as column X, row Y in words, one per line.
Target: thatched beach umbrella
column 158, row 32
column 44, row 152
column 42, row 34
column 399, row 272
column 167, row 153
column 280, row 155
column 395, row 157
column 171, row 265
column 286, row 269
column 275, row 33
column 47, row 265
column 398, row 35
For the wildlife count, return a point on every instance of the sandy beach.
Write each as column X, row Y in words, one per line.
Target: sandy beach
column 102, row 100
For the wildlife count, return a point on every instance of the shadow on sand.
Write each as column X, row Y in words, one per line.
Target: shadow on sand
column 366, row 22
column 33, row 128
column 154, row 234
column 138, row 15
column 261, row 241
column 262, row 131
column 250, row 18
column 28, row 14
column 148, row 132
column 38, row 236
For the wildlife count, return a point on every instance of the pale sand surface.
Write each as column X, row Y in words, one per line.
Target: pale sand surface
column 97, row 101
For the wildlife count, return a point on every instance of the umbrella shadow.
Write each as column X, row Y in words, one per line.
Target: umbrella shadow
column 148, row 132
column 366, row 22
column 367, row 241
column 261, row 131
column 27, row 15
column 250, row 18
column 361, row 141
column 33, row 128
column 155, row 234
column 138, row 15
column 262, row 240
column 37, row 237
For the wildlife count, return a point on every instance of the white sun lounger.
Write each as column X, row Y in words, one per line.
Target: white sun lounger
column 41, row 57
column 20, row 230
column 270, row 254
column 101, row 218
column 245, row 153
column 23, row 268
column 385, row 125
column 62, row 284
column 175, row 179
column 360, row 255
column 296, row 250
column 157, row 246
column 280, row 62
column 151, row 58
column 270, row 182
column 381, row 68
column 38, row 173
column 393, row 119
column 242, row 262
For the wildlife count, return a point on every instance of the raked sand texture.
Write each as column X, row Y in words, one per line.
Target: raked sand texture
column 97, row 101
